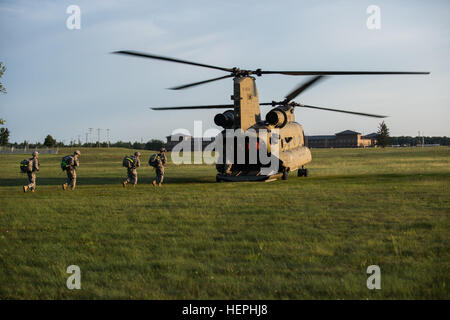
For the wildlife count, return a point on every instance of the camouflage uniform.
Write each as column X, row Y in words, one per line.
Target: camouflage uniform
column 161, row 162
column 132, row 172
column 32, row 175
column 72, row 173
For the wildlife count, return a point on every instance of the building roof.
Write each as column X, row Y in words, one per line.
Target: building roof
column 347, row 132
column 370, row 135
column 320, row 137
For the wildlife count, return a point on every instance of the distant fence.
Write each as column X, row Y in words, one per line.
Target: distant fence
column 28, row 150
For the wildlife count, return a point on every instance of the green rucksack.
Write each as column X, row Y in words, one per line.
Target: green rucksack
column 128, row 162
column 66, row 162
column 26, row 165
column 153, row 161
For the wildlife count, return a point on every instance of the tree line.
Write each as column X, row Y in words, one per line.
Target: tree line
column 50, row 142
column 412, row 141
column 384, row 139
column 155, row 144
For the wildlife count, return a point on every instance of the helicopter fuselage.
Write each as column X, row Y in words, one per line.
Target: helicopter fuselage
column 278, row 131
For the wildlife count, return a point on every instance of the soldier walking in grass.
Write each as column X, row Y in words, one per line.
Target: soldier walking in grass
column 70, row 163
column 132, row 163
column 30, row 166
column 158, row 161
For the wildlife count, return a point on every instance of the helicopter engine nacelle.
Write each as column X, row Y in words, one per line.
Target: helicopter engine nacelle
column 225, row 120
column 280, row 116
column 276, row 118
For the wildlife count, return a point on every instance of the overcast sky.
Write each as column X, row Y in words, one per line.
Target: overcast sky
column 62, row 82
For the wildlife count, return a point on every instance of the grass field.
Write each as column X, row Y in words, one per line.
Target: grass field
column 305, row 238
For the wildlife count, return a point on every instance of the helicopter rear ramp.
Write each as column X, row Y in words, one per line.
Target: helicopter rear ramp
column 248, row 178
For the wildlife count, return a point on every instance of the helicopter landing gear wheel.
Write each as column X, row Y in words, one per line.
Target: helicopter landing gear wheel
column 285, row 174
column 302, row 172
column 218, row 179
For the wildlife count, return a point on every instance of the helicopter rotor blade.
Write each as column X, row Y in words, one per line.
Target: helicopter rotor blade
column 275, row 103
column 303, row 87
column 153, row 56
column 259, row 71
column 189, row 85
column 236, row 72
column 343, row 111
column 212, row 106
column 336, row 73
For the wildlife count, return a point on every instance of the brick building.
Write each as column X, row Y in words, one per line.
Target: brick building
column 344, row 139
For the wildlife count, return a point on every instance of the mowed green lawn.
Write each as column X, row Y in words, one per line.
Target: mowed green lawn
column 305, row 238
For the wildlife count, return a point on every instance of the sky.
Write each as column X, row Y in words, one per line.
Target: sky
column 62, row 81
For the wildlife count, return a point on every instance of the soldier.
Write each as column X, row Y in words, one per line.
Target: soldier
column 71, row 171
column 159, row 168
column 32, row 174
column 131, row 171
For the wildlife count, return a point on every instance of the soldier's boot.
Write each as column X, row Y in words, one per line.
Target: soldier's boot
column 124, row 184
column 25, row 188
column 154, row 183
column 64, row 186
column 160, row 184
column 32, row 190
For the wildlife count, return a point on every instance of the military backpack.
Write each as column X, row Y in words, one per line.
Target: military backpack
column 129, row 162
column 26, row 165
column 66, row 162
column 153, row 161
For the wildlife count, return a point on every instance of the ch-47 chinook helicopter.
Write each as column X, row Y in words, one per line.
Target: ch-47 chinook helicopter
column 279, row 125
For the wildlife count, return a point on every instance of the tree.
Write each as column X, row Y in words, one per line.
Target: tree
column 4, row 136
column 138, row 145
column 154, row 144
column 49, row 141
column 2, row 88
column 383, row 135
column 2, row 71
column 122, row 144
